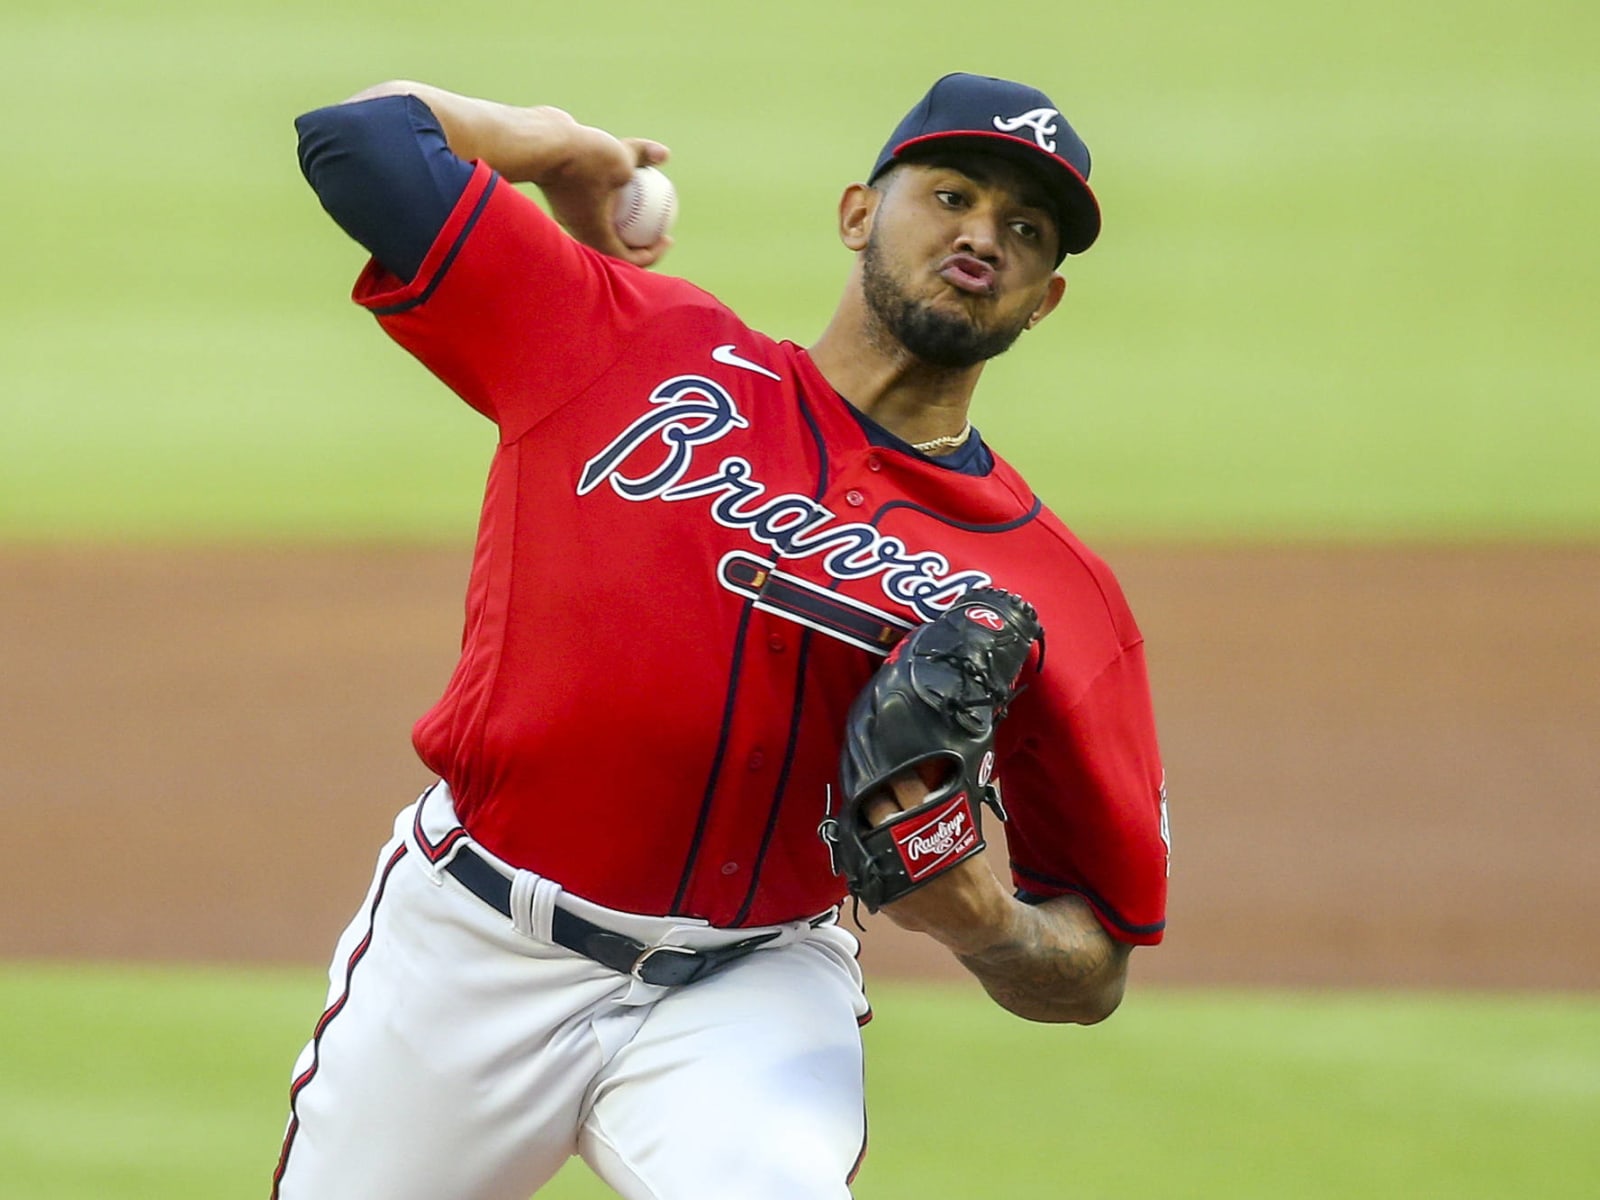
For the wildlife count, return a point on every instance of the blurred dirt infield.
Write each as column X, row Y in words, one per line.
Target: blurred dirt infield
column 1381, row 761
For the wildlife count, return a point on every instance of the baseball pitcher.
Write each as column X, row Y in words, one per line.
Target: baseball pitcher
column 752, row 629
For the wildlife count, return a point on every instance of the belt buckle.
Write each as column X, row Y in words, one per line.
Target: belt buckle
column 649, row 952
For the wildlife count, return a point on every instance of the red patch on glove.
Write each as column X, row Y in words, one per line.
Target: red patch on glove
column 936, row 838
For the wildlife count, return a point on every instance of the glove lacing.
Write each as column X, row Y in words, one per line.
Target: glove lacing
column 976, row 669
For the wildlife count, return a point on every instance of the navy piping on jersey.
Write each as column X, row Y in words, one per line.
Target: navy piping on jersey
column 389, row 310
column 822, row 446
column 801, row 659
column 715, row 775
column 970, row 527
column 1089, row 894
column 386, row 174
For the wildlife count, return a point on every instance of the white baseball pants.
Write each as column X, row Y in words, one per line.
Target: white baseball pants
column 463, row 1056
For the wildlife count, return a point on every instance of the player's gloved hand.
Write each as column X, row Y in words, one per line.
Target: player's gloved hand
column 931, row 708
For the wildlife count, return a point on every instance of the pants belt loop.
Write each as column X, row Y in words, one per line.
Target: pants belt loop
column 529, row 901
column 543, row 908
column 524, row 886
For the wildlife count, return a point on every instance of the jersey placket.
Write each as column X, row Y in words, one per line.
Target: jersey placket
column 749, row 774
column 752, row 772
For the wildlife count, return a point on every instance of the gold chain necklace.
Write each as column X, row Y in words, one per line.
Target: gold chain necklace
column 942, row 443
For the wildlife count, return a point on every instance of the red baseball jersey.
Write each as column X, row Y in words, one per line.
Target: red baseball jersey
column 691, row 558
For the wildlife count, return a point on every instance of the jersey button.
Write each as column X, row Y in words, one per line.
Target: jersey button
column 874, row 463
column 854, row 498
column 730, row 868
column 776, row 644
column 757, row 760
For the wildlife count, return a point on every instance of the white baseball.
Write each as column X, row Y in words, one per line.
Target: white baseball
column 647, row 206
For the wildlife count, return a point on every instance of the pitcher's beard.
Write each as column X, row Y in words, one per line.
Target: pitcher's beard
column 938, row 338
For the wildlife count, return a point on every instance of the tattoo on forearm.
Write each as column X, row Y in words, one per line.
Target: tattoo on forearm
column 1062, row 967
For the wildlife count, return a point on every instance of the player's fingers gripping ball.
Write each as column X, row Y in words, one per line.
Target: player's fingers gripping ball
column 936, row 700
column 647, row 207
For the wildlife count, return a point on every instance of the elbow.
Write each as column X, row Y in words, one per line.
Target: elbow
column 1075, row 1011
column 1102, row 1003
column 1092, row 1005
column 342, row 152
column 1105, row 997
column 1107, row 986
column 1088, row 1001
column 323, row 135
column 336, row 136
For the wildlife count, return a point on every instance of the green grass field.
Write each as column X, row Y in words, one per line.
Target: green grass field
column 1347, row 286
column 172, row 1085
column 1347, row 290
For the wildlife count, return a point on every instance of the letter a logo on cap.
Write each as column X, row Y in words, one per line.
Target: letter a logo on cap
column 1040, row 120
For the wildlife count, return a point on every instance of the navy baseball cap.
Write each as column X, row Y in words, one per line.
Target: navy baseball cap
column 1013, row 120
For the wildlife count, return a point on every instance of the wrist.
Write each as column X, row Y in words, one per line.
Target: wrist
column 983, row 917
column 552, row 144
column 1005, row 922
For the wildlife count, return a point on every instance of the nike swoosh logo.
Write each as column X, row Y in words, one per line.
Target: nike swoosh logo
column 728, row 357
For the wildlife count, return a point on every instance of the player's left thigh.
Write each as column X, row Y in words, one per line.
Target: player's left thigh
column 745, row 1084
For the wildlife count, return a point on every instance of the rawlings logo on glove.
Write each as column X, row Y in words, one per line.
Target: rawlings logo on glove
column 946, row 837
column 935, row 703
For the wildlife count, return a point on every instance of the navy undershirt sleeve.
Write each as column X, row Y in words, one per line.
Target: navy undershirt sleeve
column 386, row 175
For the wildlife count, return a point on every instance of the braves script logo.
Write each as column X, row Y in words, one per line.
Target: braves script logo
column 1041, row 120
column 651, row 460
column 949, row 832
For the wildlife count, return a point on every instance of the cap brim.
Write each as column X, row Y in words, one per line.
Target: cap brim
column 1077, row 211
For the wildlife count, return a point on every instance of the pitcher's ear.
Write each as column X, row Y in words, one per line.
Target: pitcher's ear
column 1054, row 291
column 857, row 207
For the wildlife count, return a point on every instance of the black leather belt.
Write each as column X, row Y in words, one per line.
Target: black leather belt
column 669, row 966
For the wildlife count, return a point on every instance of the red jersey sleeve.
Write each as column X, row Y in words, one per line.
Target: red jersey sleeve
column 1087, row 803
column 513, row 315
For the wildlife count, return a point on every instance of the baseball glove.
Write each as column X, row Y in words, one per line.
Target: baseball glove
column 934, row 703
